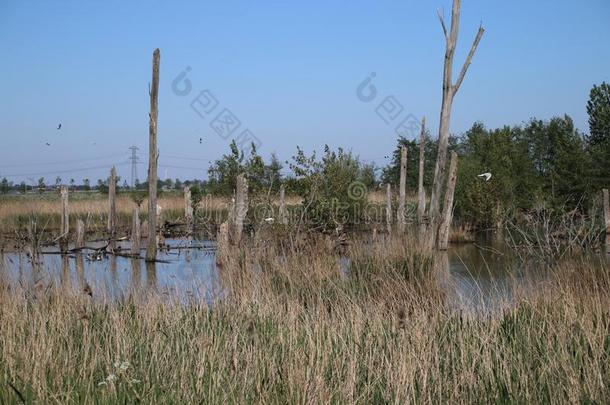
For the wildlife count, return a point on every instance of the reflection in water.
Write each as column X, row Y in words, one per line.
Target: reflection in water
column 473, row 276
column 151, row 277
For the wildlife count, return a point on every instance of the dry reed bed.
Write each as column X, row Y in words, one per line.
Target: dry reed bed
column 295, row 330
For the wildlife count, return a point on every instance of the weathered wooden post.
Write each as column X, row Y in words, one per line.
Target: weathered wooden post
column 153, row 155
column 445, row 227
column 65, row 212
column 65, row 216
column 402, row 193
column 421, row 192
column 112, row 203
column 283, row 214
column 449, row 91
column 388, row 208
column 135, row 231
column 240, row 207
column 188, row 210
column 222, row 242
column 607, row 218
column 80, row 234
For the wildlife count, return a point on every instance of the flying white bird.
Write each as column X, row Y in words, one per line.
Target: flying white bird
column 269, row 220
column 486, row 175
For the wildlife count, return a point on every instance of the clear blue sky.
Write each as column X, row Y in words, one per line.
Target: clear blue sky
column 288, row 70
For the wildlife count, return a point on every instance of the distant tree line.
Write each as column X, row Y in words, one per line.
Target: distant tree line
column 548, row 164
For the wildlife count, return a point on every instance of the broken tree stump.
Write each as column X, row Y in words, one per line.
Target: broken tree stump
column 402, row 192
column 80, row 234
column 135, row 231
column 240, row 208
column 283, row 214
column 388, row 208
column 188, row 210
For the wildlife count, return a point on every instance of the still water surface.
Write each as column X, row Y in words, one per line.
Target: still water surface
column 481, row 276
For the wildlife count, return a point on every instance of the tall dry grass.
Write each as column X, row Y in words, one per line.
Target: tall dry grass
column 294, row 328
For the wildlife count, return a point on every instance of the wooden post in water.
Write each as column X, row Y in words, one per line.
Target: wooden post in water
column 112, row 203
column 188, row 210
column 388, row 208
column 65, row 217
column 65, row 213
column 402, row 193
column 135, row 231
column 283, row 214
column 80, row 234
column 607, row 218
column 153, row 155
column 445, row 227
column 421, row 192
column 222, row 242
column 240, row 207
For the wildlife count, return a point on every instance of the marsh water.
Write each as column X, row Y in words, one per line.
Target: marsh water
column 476, row 276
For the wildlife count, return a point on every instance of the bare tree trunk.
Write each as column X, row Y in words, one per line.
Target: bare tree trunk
column 240, row 207
column 607, row 218
column 65, row 219
column 135, row 231
column 188, row 210
column 388, row 208
column 443, row 233
column 282, row 213
column 449, row 91
column 402, row 193
column 112, row 203
column 421, row 193
column 153, row 155
column 80, row 234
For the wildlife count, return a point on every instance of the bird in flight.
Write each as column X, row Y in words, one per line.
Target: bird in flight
column 48, row 144
column 200, row 140
column 486, row 175
column 59, row 126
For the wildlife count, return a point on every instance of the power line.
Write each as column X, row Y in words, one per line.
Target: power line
column 63, row 161
column 83, row 169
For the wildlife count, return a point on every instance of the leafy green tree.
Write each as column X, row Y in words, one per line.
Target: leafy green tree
column 513, row 184
column 4, row 186
column 598, row 109
column 391, row 173
column 223, row 172
column 330, row 187
column 86, row 185
column 558, row 153
column 23, row 188
column 178, row 184
column 41, row 185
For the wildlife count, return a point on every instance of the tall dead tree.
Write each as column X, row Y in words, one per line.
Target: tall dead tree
column 153, row 156
column 607, row 218
column 445, row 227
column 421, row 192
column 112, row 203
column 449, row 91
column 402, row 192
